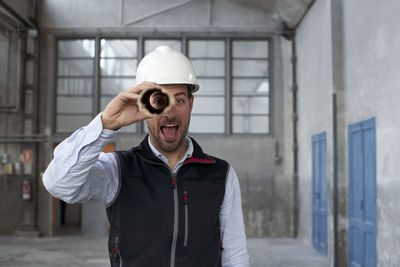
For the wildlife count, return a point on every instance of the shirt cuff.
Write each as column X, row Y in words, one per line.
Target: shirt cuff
column 105, row 133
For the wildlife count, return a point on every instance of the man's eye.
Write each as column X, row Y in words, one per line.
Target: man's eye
column 159, row 102
column 180, row 101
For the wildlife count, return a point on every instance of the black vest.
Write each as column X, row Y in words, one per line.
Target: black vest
column 161, row 219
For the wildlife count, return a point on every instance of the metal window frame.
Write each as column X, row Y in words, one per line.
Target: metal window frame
column 224, row 58
column 270, row 78
column 138, row 58
column 57, row 76
column 184, row 38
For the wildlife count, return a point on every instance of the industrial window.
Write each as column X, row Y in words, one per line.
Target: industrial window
column 75, row 76
column 250, row 87
column 233, row 75
column 208, row 58
column 11, row 41
column 118, row 63
column 4, row 69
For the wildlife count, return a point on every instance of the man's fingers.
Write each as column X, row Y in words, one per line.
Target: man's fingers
column 135, row 89
column 126, row 95
column 144, row 116
column 147, row 84
column 142, row 86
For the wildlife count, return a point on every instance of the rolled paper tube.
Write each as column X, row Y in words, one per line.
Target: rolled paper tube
column 155, row 101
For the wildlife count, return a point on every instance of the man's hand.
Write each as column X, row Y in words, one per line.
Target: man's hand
column 123, row 110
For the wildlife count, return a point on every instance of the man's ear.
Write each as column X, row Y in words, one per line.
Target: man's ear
column 191, row 102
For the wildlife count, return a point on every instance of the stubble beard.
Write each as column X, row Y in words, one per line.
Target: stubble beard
column 172, row 147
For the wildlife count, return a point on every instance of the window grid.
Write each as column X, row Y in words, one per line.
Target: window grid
column 75, row 83
column 224, row 67
column 209, row 106
column 118, row 62
column 250, row 89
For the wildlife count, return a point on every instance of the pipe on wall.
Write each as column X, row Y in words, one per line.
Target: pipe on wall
column 335, row 181
column 295, row 141
column 291, row 35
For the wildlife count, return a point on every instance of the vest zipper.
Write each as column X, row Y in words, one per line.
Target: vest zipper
column 116, row 250
column 220, row 248
column 185, row 203
column 176, row 211
column 176, row 205
column 176, row 219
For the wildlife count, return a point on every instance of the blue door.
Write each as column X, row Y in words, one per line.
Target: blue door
column 362, row 194
column 319, row 229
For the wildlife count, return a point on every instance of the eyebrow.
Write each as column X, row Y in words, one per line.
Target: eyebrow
column 180, row 93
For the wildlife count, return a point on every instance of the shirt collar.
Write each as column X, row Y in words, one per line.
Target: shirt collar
column 158, row 154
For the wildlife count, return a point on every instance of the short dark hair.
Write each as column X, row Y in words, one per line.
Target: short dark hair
column 189, row 90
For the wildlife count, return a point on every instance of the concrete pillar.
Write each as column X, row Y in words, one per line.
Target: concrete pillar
column 340, row 169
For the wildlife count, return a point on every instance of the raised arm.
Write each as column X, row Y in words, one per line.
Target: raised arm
column 80, row 171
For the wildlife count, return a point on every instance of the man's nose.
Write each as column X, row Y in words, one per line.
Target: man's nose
column 170, row 114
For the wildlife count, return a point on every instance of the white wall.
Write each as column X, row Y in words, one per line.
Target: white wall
column 314, row 101
column 373, row 90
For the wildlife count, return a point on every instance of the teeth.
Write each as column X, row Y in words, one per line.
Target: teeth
column 169, row 125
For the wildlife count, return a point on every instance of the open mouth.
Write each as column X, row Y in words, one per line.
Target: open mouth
column 170, row 131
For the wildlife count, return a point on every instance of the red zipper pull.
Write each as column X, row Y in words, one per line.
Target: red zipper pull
column 185, row 197
column 173, row 182
column 116, row 247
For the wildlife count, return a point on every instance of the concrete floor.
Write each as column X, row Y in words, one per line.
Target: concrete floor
column 285, row 252
column 78, row 251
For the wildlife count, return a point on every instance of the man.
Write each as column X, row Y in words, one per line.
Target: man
column 168, row 203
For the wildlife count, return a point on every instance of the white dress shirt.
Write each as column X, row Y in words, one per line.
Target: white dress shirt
column 80, row 172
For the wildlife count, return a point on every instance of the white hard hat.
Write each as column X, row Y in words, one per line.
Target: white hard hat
column 165, row 65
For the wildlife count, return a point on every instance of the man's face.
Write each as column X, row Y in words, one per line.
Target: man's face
column 167, row 132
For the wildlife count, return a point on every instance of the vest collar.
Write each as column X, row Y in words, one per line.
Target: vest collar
column 198, row 155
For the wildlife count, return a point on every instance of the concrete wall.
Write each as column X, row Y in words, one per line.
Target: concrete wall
column 314, row 51
column 157, row 14
column 17, row 214
column 24, row 8
column 373, row 90
column 263, row 182
column 356, row 42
